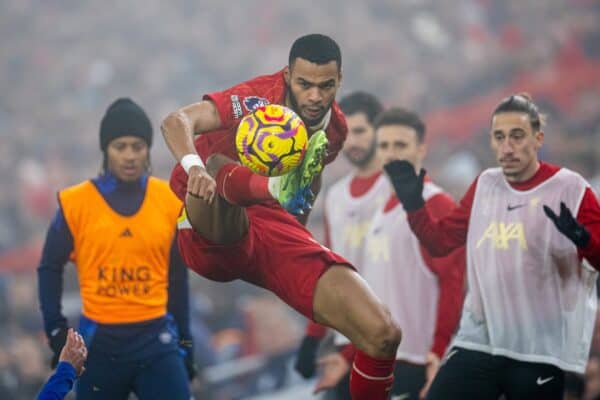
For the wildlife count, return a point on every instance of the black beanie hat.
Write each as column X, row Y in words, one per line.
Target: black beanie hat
column 124, row 118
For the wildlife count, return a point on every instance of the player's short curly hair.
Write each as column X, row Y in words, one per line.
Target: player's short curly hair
column 357, row 102
column 522, row 102
column 316, row 48
column 401, row 116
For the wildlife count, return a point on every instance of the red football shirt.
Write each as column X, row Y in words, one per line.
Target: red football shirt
column 241, row 99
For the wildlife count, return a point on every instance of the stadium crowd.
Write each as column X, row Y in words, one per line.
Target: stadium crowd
column 65, row 61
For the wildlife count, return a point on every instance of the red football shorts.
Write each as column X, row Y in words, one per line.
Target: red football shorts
column 278, row 254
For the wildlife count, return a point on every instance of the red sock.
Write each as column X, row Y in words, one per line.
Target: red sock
column 371, row 379
column 239, row 185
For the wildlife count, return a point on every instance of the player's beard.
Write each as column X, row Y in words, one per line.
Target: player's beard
column 365, row 159
column 296, row 107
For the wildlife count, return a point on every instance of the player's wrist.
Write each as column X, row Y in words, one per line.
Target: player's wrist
column 191, row 160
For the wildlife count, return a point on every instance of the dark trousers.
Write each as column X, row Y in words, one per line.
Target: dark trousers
column 468, row 374
column 160, row 377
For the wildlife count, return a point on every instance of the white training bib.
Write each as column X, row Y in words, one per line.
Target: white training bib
column 349, row 218
column 396, row 272
column 529, row 297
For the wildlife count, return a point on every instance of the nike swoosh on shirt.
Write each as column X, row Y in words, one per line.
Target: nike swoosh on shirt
column 541, row 381
column 401, row 396
column 510, row 208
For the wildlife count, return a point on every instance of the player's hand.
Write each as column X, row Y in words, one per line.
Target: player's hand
column 568, row 225
column 56, row 341
column 74, row 351
column 201, row 184
column 333, row 368
column 407, row 184
column 306, row 357
column 431, row 368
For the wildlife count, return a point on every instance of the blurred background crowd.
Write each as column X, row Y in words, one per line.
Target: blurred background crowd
column 63, row 62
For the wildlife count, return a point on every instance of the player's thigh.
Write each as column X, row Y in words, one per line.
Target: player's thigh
column 285, row 258
column 344, row 301
column 221, row 263
column 219, row 221
column 162, row 377
column 467, row 375
column 104, row 378
column 409, row 379
column 533, row 381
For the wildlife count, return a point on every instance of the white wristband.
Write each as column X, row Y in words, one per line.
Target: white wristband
column 190, row 160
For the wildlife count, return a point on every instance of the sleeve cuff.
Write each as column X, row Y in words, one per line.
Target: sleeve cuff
column 66, row 368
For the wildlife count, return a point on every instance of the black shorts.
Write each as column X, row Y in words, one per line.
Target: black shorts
column 468, row 374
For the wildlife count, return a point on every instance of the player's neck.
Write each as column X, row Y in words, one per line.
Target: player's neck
column 371, row 168
column 526, row 174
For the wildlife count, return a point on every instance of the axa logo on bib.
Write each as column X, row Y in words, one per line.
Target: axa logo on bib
column 501, row 235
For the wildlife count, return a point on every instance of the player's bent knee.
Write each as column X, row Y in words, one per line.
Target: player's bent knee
column 384, row 337
column 214, row 163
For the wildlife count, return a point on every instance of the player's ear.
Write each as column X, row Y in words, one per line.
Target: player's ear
column 539, row 138
column 286, row 75
column 422, row 150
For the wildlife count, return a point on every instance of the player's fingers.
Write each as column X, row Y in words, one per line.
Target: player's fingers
column 70, row 337
column 328, row 359
column 210, row 190
column 549, row 213
column 206, row 190
column 424, row 390
column 564, row 209
column 194, row 186
column 320, row 386
column 78, row 338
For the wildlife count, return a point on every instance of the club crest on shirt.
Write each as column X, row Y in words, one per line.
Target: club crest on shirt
column 253, row 102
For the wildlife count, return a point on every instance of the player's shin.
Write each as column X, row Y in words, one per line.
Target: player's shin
column 240, row 186
column 371, row 378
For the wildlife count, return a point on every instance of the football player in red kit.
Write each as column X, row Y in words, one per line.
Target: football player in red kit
column 238, row 225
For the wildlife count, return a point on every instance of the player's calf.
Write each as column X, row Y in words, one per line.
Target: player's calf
column 372, row 375
column 345, row 302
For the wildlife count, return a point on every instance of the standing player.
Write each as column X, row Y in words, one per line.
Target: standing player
column 119, row 229
column 243, row 233
column 530, row 308
column 349, row 208
column 424, row 294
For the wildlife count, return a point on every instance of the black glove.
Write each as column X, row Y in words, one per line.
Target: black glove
column 187, row 347
column 568, row 225
column 306, row 357
column 407, row 184
column 56, row 341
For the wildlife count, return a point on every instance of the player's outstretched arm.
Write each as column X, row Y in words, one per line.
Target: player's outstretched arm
column 439, row 236
column 179, row 127
column 55, row 254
